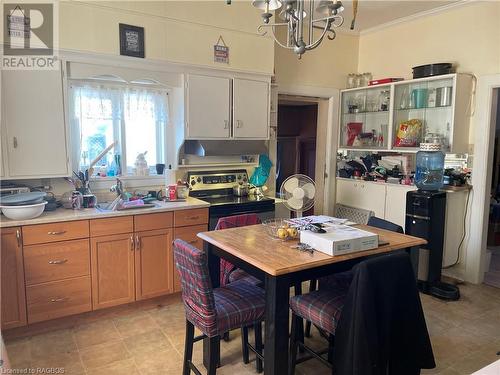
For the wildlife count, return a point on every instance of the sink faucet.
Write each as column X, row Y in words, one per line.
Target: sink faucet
column 117, row 188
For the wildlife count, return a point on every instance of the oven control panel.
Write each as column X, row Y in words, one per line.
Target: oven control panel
column 212, row 180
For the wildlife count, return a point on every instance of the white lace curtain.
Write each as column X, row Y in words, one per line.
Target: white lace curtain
column 89, row 100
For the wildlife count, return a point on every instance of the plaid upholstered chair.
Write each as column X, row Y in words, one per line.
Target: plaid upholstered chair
column 215, row 311
column 228, row 271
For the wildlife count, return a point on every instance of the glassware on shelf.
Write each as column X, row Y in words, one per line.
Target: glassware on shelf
column 384, row 98
column 351, row 80
column 404, row 100
column 358, row 80
column 367, row 77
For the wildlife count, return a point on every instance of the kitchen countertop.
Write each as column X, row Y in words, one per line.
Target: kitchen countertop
column 63, row 214
column 446, row 188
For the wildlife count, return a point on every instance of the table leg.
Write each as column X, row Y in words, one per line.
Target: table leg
column 276, row 341
column 214, row 270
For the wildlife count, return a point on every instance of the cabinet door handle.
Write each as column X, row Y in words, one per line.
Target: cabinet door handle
column 14, row 142
column 56, row 233
column 58, row 261
column 239, row 123
column 137, row 243
column 132, row 243
column 226, row 124
column 18, row 237
column 58, row 299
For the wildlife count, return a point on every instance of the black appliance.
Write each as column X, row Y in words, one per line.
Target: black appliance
column 430, row 70
column 425, row 218
column 216, row 188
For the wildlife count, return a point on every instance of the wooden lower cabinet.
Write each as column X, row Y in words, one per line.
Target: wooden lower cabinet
column 153, row 263
column 13, row 299
column 56, row 299
column 112, row 269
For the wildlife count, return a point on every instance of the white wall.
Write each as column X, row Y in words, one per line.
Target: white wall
column 177, row 31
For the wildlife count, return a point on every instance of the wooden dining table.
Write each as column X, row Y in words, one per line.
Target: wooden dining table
column 280, row 265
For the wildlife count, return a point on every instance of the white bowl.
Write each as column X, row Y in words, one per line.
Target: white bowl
column 29, row 211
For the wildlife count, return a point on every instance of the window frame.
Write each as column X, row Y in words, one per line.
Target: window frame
column 120, row 123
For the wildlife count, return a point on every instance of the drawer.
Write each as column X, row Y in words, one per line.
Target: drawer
column 44, row 233
column 184, row 218
column 57, row 261
column 112, row 225
column 58, row 298
column 189, row 234
column 161, row 220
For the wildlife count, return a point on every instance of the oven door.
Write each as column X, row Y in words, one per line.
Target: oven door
column 262, row 213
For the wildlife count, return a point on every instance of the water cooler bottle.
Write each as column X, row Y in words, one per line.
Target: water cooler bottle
column 425, row 218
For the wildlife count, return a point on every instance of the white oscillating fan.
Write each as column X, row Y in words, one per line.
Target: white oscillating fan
column 298, row 193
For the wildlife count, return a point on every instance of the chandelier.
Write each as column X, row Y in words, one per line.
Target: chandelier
column 301, row 18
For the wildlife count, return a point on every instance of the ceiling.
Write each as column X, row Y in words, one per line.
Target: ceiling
column 372, row 13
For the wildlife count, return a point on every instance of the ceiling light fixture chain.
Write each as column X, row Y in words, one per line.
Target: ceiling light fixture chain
column 301, row 23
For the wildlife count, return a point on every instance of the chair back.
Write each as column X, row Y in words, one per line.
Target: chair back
column 232, row 222
column 357, row 215
column 237, row 221
column 197, row 292
column 376, row 222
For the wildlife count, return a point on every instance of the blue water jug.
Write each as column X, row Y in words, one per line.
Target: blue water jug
column 430, row 167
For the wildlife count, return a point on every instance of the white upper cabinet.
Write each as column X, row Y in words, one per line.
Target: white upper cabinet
column 210, row 103
column 250, row 109
column 33, row 124
column 208, row 107
column 401, row 115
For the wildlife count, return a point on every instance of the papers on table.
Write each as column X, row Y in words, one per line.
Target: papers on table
column 319, row 219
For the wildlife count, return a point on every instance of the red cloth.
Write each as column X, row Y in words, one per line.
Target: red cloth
column 226, row 268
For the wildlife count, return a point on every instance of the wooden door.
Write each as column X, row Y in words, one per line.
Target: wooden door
column 208, row 107
column 13, row 297
column 153, row 263
column 34, row 123
column 250, row 109
column 112, row 259
column 188, row 234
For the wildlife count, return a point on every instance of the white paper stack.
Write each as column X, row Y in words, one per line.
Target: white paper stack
column 340, row 239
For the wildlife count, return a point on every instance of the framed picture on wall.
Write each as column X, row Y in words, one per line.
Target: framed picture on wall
column 131, row 40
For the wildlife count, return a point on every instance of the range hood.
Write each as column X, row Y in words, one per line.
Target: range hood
column 224, row 148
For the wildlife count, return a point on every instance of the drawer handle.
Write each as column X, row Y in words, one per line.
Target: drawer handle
column 193, row 217
column 18, row 237
column 192, row 242
column 59, row 261
column 59, row 299
column 56, row 233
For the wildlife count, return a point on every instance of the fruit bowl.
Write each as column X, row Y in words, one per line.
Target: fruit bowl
column 281, row 229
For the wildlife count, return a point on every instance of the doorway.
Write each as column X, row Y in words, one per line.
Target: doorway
column 492, row 274
column 296, row 139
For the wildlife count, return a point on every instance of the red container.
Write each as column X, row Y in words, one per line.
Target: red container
column 172, row 192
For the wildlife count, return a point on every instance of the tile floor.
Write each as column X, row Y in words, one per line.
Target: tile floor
column 149, row 339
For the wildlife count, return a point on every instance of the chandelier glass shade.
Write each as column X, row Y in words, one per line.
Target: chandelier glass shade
column 307, row 22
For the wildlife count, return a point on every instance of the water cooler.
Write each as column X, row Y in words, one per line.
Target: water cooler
column 425, row 218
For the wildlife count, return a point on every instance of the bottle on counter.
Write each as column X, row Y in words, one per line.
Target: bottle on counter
column 430, row 167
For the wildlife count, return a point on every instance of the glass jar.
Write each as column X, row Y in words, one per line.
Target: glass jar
column 430, row 167
column 351, row 80
column 367, row 77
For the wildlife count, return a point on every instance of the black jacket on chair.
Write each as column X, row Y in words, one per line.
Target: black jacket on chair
column 382, row 329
